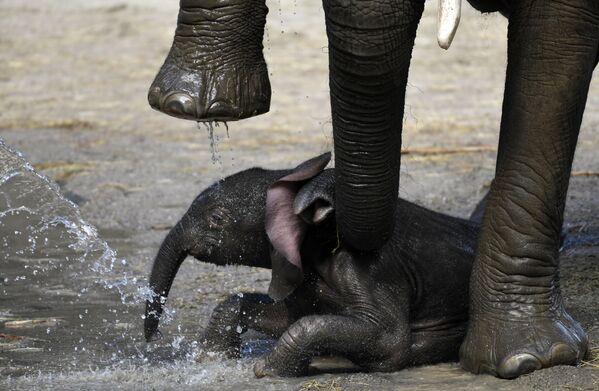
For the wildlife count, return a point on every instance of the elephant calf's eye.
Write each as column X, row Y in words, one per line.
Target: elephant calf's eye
column 216, row 219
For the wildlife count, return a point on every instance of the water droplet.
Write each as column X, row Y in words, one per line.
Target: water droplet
column 227, row 128
column 281, row 17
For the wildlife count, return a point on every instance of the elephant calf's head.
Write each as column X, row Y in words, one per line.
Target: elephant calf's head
column 231, row 223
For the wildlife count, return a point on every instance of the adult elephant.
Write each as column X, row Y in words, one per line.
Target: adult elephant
column 215, row 70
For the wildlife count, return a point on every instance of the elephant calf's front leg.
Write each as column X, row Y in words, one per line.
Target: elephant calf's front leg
column 241, row 312
column 320, row 334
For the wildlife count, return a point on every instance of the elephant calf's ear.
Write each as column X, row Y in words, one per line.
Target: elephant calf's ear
column 285, row 229
column 315, row 201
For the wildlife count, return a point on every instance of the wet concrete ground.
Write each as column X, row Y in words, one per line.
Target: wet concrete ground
column 73, row 82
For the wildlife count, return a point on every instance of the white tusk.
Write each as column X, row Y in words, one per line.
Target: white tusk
column 448, row 20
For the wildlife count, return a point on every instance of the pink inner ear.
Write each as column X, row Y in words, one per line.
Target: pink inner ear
column 284, row 229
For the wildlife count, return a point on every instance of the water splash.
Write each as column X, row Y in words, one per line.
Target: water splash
column 52, row 259
column 37, row 222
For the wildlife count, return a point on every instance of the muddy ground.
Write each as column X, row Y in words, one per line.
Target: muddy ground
column 73, row 83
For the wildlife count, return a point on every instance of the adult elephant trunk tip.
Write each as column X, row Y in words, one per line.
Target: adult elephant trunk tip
column 367, row 205
column 171, row 255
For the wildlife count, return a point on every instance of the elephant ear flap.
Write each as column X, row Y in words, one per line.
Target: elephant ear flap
column 285, row 229
column 315, row 201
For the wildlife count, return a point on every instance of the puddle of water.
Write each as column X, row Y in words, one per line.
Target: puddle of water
column 67, row 302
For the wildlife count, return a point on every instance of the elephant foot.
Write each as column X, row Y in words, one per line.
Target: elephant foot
column 269, row 365
column 224, row 341
column 203, row 356
column 215, row 70
column 207, row 354
column 224, row 349
column 508, row 345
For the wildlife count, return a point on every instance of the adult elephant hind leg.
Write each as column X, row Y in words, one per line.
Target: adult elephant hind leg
column 518, row 322
column 319, row 334
column 215, row 70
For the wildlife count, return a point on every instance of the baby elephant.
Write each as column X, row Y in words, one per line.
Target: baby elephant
column 404, row 305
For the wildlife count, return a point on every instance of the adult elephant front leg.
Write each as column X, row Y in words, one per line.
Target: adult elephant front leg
column 215, row 70
column 370, row 47
column 517, row 319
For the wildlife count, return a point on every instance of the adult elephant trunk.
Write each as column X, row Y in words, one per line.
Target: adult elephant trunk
column 171, row 255
column 370, row 47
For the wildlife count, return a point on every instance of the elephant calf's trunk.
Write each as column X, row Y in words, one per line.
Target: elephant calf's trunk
column 171, row 255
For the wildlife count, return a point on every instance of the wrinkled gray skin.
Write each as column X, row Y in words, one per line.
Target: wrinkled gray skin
column 404, row 305
column 215, row 70
column 518, row 321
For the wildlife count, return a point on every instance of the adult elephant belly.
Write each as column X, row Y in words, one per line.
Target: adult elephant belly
column 215, row 70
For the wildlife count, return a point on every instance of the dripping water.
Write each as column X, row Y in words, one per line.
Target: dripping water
column 214, row 139
column 227, row 129
column 267, row 35
column 281, row 17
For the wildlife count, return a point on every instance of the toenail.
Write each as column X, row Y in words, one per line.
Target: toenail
column 259, row 368
column 562, row 354
column 518, row 364
column 179, row 104
column 154, row 97
column 221, row 110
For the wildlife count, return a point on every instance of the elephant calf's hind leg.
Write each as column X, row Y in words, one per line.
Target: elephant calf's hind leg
column 317, row 335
